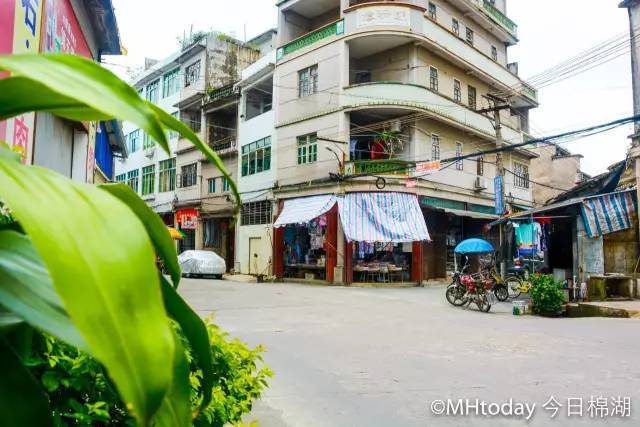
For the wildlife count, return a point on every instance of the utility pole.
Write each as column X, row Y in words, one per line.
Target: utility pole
column 497, row 105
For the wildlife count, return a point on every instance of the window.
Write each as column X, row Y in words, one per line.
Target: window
column 256, row 157
column 433, row 78
column 171, row 83
column 189, row 176
column 167, row 175
column 494, row 53
column 133, row 143
column 307, row 149
column 308, row 81
column 147, row 142
column 521, row 173
column 226, row 187
column 212, row 233
column 173, row 135
column 459, row 162
column 435, row 147
column 194, row 120
column 457, row 91
column 148, row 180
column 192, row 73
column 141, row 92
column 473, row 95
column 480, row 166
column 455, row 26
column 211, row 185
column 433, row 11
column 121, row 178
column 470, row 36
column 255, row 213
column 132, row 179
column 153, row 91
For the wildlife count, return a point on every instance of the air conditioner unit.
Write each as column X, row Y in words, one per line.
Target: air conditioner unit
column 396, row 126
column 481, row 183
column 150, row 152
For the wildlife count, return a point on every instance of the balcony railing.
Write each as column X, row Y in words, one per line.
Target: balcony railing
column 382, row 167
column 225, row 146
column 333, row 29
column 500, row 18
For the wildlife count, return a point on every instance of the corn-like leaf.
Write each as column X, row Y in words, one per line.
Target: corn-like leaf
column 162, row 241
column 87, row 83
column 102, row 265
column 22, row 401
column 196, row 333
column 26, row 289
column 176, row 405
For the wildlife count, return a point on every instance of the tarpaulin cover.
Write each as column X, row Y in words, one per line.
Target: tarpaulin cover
column 305, row 209
column 608, row 213
column 382, row 217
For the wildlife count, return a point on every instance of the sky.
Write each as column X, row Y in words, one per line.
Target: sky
column 550, row 31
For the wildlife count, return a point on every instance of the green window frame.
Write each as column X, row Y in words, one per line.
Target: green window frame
column 148, row 180
column 133, row 179
column 211, row 185
column 226, row 186
column 167, row 175
column 133, row 143
column 256, row 157
column 121, row 178
column 307, row 148
column 171, row 83
column 153, row 90
column 147, row 142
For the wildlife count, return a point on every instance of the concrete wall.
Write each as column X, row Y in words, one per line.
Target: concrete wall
column 562, row 173
column 53, row 147
column 226, row 60
column 251, row 240
column 621, row 250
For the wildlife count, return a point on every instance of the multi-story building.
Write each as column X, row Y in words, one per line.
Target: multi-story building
column 366, row 92
column 555, row 171
column 195, row 84
column 86, row 28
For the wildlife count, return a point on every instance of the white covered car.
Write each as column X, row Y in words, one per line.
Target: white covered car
column 202, row 263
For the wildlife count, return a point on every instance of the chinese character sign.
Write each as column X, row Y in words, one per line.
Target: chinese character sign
column 20, row 26
column 498, row 184
column 62, row 31
column 187, row 218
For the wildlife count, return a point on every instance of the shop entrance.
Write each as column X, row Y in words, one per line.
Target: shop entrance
column 188, row 242
column 304, row 253
column 382, row 262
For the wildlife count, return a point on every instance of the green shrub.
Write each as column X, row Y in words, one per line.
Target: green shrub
column 81, row 394
column 546, row 294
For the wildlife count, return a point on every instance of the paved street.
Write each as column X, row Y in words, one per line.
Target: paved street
column 379, row 357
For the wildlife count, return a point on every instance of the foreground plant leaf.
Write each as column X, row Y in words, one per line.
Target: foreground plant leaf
column 79, row 79
column 156, row 229
column 22, row 400
column 102, row 265
column 26, row 289
column 195, row 331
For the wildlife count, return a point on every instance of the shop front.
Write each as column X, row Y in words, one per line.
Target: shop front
column 306, row 239
column 187, row 220
column 384, row 235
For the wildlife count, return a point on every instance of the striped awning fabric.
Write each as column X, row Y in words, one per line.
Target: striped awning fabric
column 382, row 217
column 305, row 209
column 608, row 213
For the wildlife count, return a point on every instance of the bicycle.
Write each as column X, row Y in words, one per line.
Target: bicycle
column 517, row 285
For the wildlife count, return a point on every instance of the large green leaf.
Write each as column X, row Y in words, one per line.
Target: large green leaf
column 26, row 289
column 22, row 401
column 196, row 333
column 172, row 123
column 103, row 268
column 157, row 230
column 176, row 405
column 87, row 83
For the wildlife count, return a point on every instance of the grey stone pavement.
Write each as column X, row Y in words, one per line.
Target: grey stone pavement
column 381, row 357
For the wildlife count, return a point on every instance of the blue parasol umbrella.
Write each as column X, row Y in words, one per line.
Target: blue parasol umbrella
column 474, row 246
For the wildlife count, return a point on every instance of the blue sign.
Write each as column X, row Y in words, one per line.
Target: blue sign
column 498, row 185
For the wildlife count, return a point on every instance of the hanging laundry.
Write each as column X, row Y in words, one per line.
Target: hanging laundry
column 526, row 239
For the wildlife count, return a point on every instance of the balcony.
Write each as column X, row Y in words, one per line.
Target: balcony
column 414, row 97
column 333, row 29
column 191, row 93
column 225, row 147
column 500, row 18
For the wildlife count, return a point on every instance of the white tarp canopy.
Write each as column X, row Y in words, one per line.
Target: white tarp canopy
column 305, row 209
column 382, row 217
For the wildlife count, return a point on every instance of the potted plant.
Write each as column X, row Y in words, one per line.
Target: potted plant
column 546, row 295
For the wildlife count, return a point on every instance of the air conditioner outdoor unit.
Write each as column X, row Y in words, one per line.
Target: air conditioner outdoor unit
column 150, row 152
column 481, row 183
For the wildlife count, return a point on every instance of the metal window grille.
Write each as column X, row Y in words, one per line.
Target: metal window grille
column 256, row 213
column 435, row 147
column 521, row 178
column 459, row 162
column 192, row 73
column 472, row 97
column 470, row 36
column 148, row 180
column 457, row 91
column 308, row 81
column 189, row 176
column 433, row 79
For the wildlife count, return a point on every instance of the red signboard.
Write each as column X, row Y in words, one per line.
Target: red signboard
column 61, row 29
column 187, row 218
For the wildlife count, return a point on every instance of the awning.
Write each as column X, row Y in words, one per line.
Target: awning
column 608, row 213
column 303, row 210
column 471, row 214
column 382, row 217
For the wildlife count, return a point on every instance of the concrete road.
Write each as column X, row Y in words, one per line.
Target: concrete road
column 381, row 357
